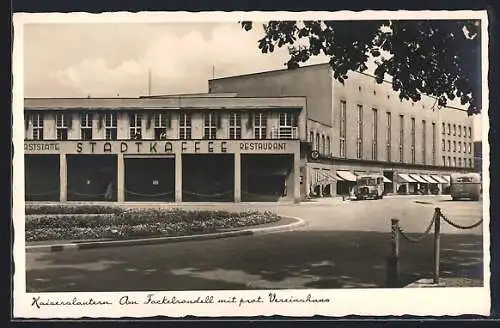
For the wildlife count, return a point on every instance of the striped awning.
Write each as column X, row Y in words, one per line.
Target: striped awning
column 418, row 178
column 386, row 180
column 406, row 177
column 346, row 175
column 439, row 179
column 428, row 178
column 447, row 178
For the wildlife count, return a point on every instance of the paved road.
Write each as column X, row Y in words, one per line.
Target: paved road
column 344, row 245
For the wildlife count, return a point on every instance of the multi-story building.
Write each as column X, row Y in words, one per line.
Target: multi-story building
column 363, row 127
column 268, row 136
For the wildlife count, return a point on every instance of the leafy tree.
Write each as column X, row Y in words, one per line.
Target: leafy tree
column 440, row 58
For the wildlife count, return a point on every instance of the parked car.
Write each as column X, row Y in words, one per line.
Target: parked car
column 369, row 187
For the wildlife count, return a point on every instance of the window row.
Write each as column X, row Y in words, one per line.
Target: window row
column 320, row 143
column 447, row 161
column 446, row 145
column 360, row 127
column 456, row 130
column 258, row 122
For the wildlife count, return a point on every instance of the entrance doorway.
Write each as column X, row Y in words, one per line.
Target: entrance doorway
column 150, row 179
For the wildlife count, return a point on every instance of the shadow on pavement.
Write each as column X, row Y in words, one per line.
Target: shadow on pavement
column 300, row 259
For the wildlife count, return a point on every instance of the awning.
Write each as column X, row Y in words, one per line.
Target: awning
column 406, row 177
column 439, row 179
column 428, row 179
column 447, row 178
column 387, row 180
column 346, row 175
column 418, row 178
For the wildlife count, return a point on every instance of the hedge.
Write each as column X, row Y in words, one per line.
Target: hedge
column 137, row 223
column 66, row 209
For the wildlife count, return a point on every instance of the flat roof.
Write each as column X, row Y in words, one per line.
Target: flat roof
column 275, row 71
column 164, row 103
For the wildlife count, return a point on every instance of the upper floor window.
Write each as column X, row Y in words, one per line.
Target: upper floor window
column 323, row 145
column 287, row 125
column 110, row 126
column 235, row 125
column 454, row 162
column 449, row 145
column 454, row 146
column 433, row 143
column 62, row 126
column 459, row 130
column 260, row 126
column 343, row 125
column 161, row 125
column 86, row 126
column 328, row 151
column 311, row 137
column 185, row 126
column 470, row 132
column 470, row 148
column 135, row 126
column 454, row 130
column 460, row 146
column 316, row 143
column 359, row 143
column 424, row 141
column 443, row 129
column 443, row 145
column 210, row 126
column 401, row 138
column 444, row 160
column 37, row 124
column 413, row 140
column 449, row 128
column 449, row 161
column 388, row 136
column 460, row 162
column 375, row 133
column 470, row 162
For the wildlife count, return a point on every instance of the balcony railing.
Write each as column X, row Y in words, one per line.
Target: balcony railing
column 284, row 133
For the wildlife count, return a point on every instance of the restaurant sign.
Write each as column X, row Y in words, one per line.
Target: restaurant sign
column 161, row 147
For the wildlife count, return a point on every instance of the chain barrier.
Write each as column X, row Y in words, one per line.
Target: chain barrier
column 148, row 195
column 43, row 193
column 424, row 234
column 83, row 194
column 458, row 226
column 207, row 195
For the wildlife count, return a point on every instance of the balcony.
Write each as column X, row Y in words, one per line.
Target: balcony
column 284, row 133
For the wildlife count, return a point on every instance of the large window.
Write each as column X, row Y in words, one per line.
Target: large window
column 235, row 125
column 287, row 124
column 185, row 126
column 401, row 138
column 162, row 124
column 110, row 126
column 413, row 140
column 37, row 122
column 62, row 126
column 424, row 141
column 210, row 126
column 343, row 125
column 328, row 151
column 375, row 134
column 260, row 126
column 433, row 143
column 388, row 136
column 86, row 126
column 135, row 126
column 359, row 143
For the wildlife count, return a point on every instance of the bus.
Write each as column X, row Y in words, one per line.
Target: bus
column 465, row 186
column 369, row 186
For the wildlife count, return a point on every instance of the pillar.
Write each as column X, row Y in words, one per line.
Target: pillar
column 120, row 178
column 296, row 177
column 178, row 178
column 63, row 178
column 237, row 177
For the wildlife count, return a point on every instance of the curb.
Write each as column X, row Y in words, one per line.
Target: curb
column 165, row 240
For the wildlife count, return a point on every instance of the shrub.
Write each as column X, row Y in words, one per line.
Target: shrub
column 137, row 223
column 67, row 209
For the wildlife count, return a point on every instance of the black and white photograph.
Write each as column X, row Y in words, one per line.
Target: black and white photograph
column 244, row 164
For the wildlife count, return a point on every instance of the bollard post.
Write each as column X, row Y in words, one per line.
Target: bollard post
column 437, row 233
column 393, row 260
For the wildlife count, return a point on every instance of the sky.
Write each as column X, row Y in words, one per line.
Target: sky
column 108, row 60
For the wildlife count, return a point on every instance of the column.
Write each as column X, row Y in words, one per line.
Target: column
column 178, row 178
column 296, row 176
column 237, row 177
column 63, row 178
column 120, row 178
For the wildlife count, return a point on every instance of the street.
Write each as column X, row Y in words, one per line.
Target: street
column 343, row 245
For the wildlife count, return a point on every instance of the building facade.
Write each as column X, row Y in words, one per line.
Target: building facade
column 363, row 127
column 272, row 136
column 169, row 149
